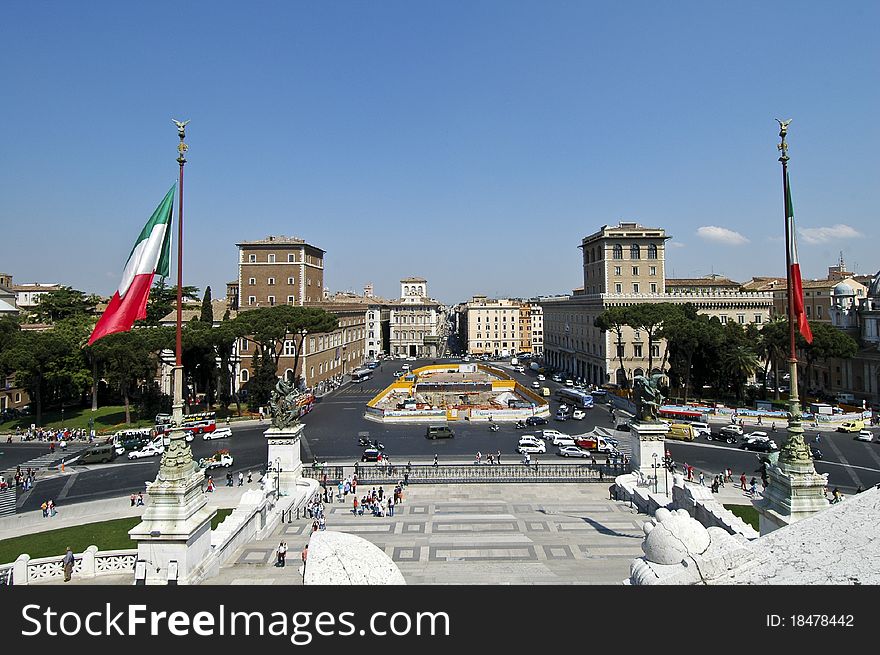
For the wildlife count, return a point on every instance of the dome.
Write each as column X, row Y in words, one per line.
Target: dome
column 842, row 290
column 874, row 289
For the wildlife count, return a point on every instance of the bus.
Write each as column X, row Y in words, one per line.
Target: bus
column 361, row 374
column 581, row 399
column 681, row 413
column 197, row 423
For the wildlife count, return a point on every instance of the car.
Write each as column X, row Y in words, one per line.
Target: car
column 531, row 448
column 721, row 435
column 536, row 420
column 399, row 374
column 150, row 450
column 865, row 435
column 815, row 452
column 851, row 426
column 756, row 436
column 702, row 429
column 561, row 415
column 555, row 437
column 220, row 459
column 370, row 455
column 760, row 445
column 536, row 385
column 557, row 378
column 572, row 451
column 541, row 377
column 219, row 433
column 578, row 414
column 733, row 429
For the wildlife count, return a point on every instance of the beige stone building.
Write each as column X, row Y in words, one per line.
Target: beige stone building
column 625, row 265
column 493, row 326
column 415, row 321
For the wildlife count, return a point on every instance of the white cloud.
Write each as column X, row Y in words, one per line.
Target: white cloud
column 825, row 234
column 675, row 244
column 721, row 235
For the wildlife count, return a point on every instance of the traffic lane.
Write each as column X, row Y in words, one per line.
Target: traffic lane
column 13, row 454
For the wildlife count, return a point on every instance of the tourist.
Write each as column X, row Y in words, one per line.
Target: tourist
column 742, row 481
column 391, row 505
column 305, row 556
column 68, row 562
column 240, row 478
column 477, row 458
column 45, row 508
column 435, row 459
column 140, row 499
column 250, row 477
column 279, row 561
column 322, row 523
column 381, row 493
column 51, row 508
column 406, row 478
column 355, row 508
column 701, row 479
column 498, row 456
column 132, row 499
column 210, row 484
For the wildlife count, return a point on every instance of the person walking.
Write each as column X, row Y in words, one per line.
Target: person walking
column 283, row 552
column 210, row 484
column 498, row 456
column 140, row 499
column 435, row 460
column 132, row 499
column 742, row 481
column 240, row 479
column 68, row 564
column 250, row 477
column 305, row 557
column 702, row 477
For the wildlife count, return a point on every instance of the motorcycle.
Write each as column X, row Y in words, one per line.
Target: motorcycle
column 520, row 425
column 494, row 427
column 370, row 443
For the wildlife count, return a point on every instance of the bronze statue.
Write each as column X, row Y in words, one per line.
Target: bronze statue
column 783, row 126
column 283, row 408
column 647, row 397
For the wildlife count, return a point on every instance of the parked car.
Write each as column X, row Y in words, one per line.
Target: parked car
column 219, row 433
column 572, row 451
column 732, row 429
column 865, row 435
column 150, row 450
column 536, row 420
column 578, row 414
column 531, row 448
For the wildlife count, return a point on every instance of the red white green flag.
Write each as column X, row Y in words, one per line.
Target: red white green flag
column 796, row 289
column 151, row 255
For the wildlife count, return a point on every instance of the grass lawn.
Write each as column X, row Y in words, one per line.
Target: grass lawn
column 106, row 535
column 746, row 512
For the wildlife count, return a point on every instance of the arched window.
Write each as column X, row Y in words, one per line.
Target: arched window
column 635, row 252
column 288, row 375
column 244, row 375
column 652, row 251
column 618, row 251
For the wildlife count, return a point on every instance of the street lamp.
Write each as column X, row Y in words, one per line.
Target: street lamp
column 277, row 471
column 656, row 472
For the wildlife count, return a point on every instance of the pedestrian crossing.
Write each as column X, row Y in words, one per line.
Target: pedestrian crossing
column 7, row 501
column 51, row 459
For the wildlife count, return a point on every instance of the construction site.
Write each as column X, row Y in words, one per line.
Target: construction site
column 455, row 392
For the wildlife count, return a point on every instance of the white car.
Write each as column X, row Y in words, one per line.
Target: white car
column 578, row 414
column 572, row 451
column 541, row 377
column 554, row 435
column 219, row 433
column 701, row 429
column 150, row 450
column 536, row 385
column 225, row 460
column 756, row 436
column 529, row 439
column 865, row 435
column 531, row 448
column 732, row 429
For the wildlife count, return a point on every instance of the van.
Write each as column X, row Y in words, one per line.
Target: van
column 97, row 454
column 851, row 426
column 404, row 367
column 701, row 429
column 845, row 398
column 682, row 431
column 439, row 432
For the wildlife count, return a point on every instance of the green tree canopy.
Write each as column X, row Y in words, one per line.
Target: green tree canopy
column 163, row 300
column 62, row 304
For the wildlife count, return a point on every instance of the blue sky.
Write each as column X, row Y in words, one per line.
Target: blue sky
column 471, row 143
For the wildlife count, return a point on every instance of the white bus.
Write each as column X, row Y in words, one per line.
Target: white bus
column 581, row 399
column 361, row 374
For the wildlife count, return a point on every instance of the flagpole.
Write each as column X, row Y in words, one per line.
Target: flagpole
column 794, row 447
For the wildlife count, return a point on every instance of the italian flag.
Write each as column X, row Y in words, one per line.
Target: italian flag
column 151, row 254
column 796, row 289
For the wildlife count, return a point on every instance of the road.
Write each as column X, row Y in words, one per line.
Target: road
column 333, row 425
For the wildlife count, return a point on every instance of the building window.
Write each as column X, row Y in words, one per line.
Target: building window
column 289, row 300
column 757, row 318
column 741, row 319
column 635, row 270
column 272, row 258
column 291, row 280
column 652, row 270
column 652, row 251
column 617, row 252
column 252, row 281
column 244, row 375
column 289, row 348
column 635, row 287
column 271, row 281
column 635, row 252
column 271, row 300
column 808, row 311
column 617, row 270
column 620, row 351
column 291, row 257
column 723, row 319
column 819, row 311
column 244, row 345
column 252, row 258
column 252, row 300
column 618, row 288
column 637, row 350
column 653, row 287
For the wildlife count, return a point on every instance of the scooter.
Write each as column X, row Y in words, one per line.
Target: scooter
column 520, row 425
column 494, row 427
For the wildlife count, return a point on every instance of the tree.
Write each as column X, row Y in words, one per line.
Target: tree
column 163, row 300
column 771, row 346
column 614, row 318
column 269, row 327
column 207, row 315
column 64, row 303
column 650, row 318
column 225, row 335
column 828, row 343
column 738, row 363
column 684, row 333
column 263, row 381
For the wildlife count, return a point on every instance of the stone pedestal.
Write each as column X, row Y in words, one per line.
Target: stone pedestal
column 794, row 492
column 284, row 454
column 174, row 536
column 648, row 440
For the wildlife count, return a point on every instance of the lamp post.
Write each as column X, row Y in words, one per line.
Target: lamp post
column 277, row 471
column 656, row 472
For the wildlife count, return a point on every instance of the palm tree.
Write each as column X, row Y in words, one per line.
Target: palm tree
column 738, row 364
